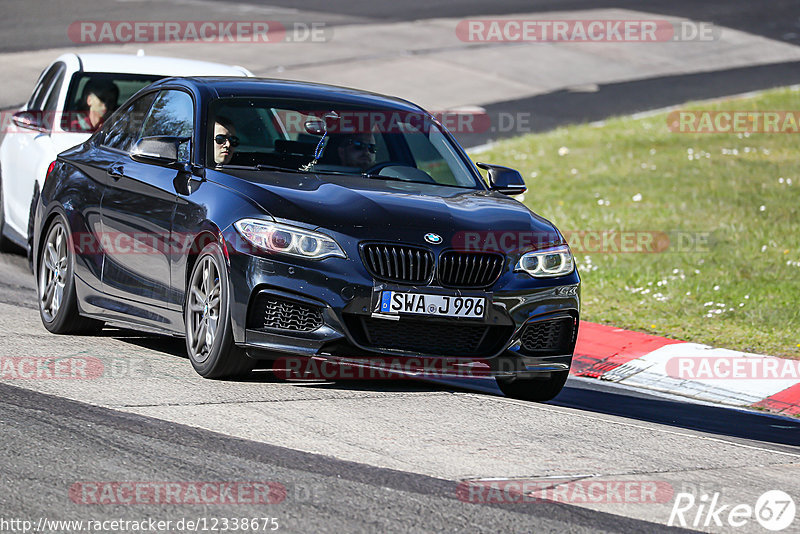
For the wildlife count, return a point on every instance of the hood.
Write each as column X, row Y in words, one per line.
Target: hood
column 376, row 209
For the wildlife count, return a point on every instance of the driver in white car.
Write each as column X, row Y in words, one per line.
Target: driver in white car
column 99, row 101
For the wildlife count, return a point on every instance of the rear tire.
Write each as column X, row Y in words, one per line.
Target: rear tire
column 58, row 303
column 206, row 312
column 5, row 244
column 534, row 389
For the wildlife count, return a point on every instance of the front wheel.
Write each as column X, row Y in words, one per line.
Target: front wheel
column 533, row 389
column 31, row 217
column 209, row 334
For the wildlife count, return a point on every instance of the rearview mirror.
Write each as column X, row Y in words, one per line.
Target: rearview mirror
column 504, row 179
column 315, row 127
column 30, row 120
column 160, row 150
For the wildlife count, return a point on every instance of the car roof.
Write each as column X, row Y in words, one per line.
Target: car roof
column 221, row 87
column 157, row 65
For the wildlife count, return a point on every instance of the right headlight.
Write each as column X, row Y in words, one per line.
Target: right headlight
column 290, row 240
column 547, row 263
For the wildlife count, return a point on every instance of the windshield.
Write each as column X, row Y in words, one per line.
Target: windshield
column 331, row 138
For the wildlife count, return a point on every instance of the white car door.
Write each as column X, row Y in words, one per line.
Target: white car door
column 24, row 150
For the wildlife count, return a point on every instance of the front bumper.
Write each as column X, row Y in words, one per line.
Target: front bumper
column 345, row 295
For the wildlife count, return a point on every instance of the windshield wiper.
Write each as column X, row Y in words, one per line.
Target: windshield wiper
column 262, row 167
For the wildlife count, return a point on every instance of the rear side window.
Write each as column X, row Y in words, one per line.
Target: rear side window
column 172, row 114
column 46, row 82
column 55, row 90
column 126, row 128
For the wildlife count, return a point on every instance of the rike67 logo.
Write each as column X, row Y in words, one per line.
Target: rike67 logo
column 774, row 510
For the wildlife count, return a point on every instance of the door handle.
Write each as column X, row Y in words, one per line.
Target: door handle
column 116, row 171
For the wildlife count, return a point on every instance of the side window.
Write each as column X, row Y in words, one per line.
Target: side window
column 172, row 114
column 43, row 87
column 55, row 90
column 125, row 127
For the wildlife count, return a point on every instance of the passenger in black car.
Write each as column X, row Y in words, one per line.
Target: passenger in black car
column 224, row 140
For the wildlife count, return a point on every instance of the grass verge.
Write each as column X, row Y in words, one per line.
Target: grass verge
column 728, row 203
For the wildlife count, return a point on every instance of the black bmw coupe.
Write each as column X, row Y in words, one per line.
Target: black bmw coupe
column 263, row 219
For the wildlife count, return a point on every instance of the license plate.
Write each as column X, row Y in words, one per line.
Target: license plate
column 398, row 302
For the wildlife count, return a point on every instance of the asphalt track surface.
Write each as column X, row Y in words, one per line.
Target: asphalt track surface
column 778, row 20
column 51, row 442
column 376, row 456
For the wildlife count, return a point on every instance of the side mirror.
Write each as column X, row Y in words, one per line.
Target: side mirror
column 503, row 179
column 30, row 120
column 161, row 150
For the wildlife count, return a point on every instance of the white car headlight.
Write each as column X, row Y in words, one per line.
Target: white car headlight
column 285, row 239
column 547, row 263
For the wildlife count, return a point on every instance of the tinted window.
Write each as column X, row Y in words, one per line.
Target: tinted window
column 55, row 89
column 172, row 114
column 393, row 144
column 125, row 128
column 43, row 87
column 124, row 86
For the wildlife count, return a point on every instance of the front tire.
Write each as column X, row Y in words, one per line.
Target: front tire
column 58, row 303
column 533, row 389
column 31, row 217
column 209, row 333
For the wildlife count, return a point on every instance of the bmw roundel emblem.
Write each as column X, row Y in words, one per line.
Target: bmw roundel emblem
column 433, row 239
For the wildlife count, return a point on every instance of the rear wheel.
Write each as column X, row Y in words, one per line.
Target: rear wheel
column 58, row 303
column 209, row 334
column 5, row 244
column 533, row 389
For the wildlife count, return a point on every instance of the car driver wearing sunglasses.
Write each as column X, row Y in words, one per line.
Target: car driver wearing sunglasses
column 358, row 151
column 225, row 140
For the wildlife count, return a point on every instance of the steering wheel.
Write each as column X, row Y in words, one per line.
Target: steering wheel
column 378, row 167
column 417, row 175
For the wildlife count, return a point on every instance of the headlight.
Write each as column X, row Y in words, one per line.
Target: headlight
column 285, row 239
column 547, row 263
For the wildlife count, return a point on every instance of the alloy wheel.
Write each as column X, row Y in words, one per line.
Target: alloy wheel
column 53, row 273
column 204, row 308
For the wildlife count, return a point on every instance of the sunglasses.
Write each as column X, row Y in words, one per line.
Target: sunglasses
column 361, row 145
column 220, row 139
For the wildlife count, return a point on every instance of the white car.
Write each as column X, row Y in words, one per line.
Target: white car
column 55, row 118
